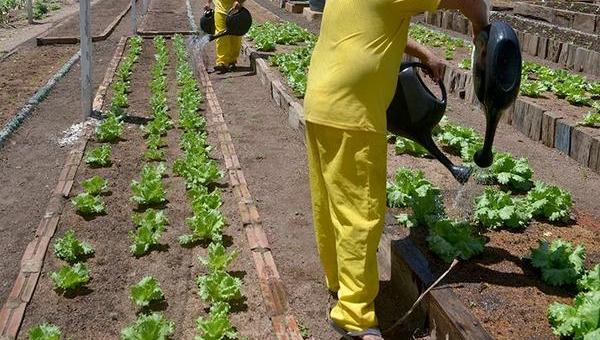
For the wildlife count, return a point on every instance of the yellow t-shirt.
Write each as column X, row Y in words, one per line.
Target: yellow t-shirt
column 354, row 67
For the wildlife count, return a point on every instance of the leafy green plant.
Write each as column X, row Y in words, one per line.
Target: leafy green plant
column 196, row 169
column 496, row 209
column 95, row 185
column 154, row 155
column 40, row 9
column 154, row 219
column 267, row 35
column 513, row 174
column 405, row 181
column 590, row 281
column 456, row 138
column 87, row 204
column 202, row 200
column 533, row 89
column 110, row 129
column 407, row 146
column 465, row 64
column 217, row 325
column 559, row 262
column 146, row 291
column 153, row 326
column 149, row 190
column 219, row 286
column 99, row 156
column 550, row 202
column 69, row 278
column 204, row 225
column 294, row 67
column 44, row 331
column 580, row 321
column 144, row 238
column 70, row 249
column 218, row 258
column 452, row 239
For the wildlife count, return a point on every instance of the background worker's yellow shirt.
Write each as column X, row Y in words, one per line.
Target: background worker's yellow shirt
column 354, row 67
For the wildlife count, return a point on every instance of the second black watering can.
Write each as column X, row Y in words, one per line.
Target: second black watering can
column 238, row 22
column 415, row 111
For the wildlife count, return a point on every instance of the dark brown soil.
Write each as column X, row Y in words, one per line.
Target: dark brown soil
column 26, row 71
column 104, row 308
column 31, row 159
column 166, row 16
column 103, row 13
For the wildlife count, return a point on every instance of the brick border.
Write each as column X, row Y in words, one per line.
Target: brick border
column 13, row 311
column 273, row 291
column 49, row 40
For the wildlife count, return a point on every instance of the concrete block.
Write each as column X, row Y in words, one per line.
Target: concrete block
column 584, row 22
column 562, row 135
column 549, row 127
column 594, row 160
column 311, row 15
column 581, row 144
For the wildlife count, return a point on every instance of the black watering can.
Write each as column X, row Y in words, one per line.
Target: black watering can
column 238, row 23
column 415, row 111
column 497, row 78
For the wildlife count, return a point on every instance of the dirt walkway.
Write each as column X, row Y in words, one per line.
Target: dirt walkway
column 32, row 158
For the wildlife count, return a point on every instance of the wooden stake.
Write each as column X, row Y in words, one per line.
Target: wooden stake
column 133, row 18
column 30, row 11
column 86, row 58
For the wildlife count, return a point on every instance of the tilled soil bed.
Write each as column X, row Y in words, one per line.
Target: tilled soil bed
column 170, row 16
column 103, row 308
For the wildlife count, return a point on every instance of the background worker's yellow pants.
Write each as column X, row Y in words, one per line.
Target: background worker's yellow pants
column 347, row 178
column 228, row 47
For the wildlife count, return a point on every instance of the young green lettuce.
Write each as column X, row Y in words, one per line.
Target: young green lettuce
column 70, row 249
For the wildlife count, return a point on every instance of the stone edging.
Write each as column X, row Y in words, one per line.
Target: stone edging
column 285, row 326
column 13, row 311
column 579, row 59
column 48, row 40
column 39, row 96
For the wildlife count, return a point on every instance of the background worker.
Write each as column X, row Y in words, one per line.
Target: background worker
column 351, row 82
column 228, row 47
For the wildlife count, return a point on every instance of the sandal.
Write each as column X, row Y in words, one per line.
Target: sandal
column 353, row 335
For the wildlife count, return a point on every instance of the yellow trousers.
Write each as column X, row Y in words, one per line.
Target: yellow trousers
column 228, row 47
column 347, row 178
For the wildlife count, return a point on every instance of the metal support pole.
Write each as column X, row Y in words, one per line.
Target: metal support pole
column 29, row 6
column 86, row 58
column 145, row 9
column 133, row 18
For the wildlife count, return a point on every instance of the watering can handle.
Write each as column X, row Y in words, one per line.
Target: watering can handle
column 406, row 65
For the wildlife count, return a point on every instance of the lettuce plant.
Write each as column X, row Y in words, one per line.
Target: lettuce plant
column 153, row 326
column 405, row 181
column 407, row 146
column 581, row 321
column 151, row 218
column 88, row 204
column 99, row 156
column 149, row 190
column 70, row 249
column 146, row 291
column 590, row 281
column 204, row 225
column 496, row 209
column 453, row 239
column 95, row 185
column 550, row 202
column 110, row 129
column 559, row 262
column 513, row 174
column 218, row 258
column 219, row 286
column 44, row 331
column 217, row 325
column 69, row 278
column 144, row 238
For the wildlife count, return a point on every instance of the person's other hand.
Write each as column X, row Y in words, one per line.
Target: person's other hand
column 436, row 65
column 208, row 5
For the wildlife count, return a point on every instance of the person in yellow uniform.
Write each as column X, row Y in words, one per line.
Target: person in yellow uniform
column 351, row 82
column 228, row 47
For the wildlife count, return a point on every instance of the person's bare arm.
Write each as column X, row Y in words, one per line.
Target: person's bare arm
column 475, row 10
column 426, row 56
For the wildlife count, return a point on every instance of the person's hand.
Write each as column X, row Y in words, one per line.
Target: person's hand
column 436, row 65
column 208, row 5
column 236, row 6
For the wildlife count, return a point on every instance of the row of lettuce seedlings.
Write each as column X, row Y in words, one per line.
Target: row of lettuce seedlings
column 200, row 172
column 510, row 202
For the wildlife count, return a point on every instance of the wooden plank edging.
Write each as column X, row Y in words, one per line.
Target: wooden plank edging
column 13, row 311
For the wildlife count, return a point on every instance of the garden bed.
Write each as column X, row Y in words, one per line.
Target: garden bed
column 165, row 16
column 103, row 307
column 106, row 16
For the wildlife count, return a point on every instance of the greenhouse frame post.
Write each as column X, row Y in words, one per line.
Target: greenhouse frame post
column 29, row 6
column 133, row 18
column 145, row 9
column 86, row 58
